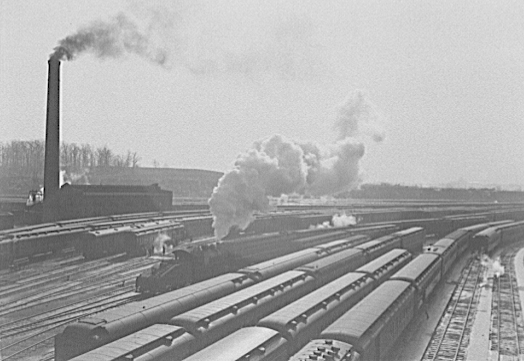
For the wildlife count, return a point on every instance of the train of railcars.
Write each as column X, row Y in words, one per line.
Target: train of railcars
column 199, row 260
column 54, row 237
column 490, row 238
column 139, row 239
column 289, row 221
column 29, row 242
column 99, row 236
column 107, row 326
column 368, row 330
column 288, row 329
column 195, row 329
column 423, row 273
column 96, row 331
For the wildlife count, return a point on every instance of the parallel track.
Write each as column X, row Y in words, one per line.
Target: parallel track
column 29, row 324
column 507, row 331
column 451, row 337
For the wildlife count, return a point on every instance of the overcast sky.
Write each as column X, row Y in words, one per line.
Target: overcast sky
column 446, row 76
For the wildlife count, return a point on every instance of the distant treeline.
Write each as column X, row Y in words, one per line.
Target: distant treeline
column 24, row 160
column 28, row 156
column 394, row 191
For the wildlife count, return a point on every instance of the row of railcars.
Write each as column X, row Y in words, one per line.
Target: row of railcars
column 110, row 325
column 196, row 261
column 376, row 322
column 29, row 242
column 55, row 237
column 194, row 330
column 502, row 234
column 282, row 333
column 135, row 240
column 370, row 329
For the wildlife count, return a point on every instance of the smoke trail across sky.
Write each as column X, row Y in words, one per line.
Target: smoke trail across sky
column 205, row 37
column 110, row 39
column 279, row 165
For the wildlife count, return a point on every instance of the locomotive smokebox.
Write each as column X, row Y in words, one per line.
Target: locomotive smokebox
column 52, row 137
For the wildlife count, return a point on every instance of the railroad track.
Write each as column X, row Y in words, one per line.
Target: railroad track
column 451, row 337
column 507, row 331
column 25, row 335
column 65, row 312
column 36, row 276
column 28, row 325
column 78, row 284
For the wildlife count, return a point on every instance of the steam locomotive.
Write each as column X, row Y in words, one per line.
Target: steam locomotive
column 195, row 261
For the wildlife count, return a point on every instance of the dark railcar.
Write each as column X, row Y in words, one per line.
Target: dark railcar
column 374, row 324
column 424, row 272
column 92, row 332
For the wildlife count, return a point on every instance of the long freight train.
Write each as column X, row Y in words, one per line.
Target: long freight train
column 26, row 243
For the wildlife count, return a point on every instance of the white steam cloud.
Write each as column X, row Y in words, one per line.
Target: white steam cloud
column 278, row 165
column 343, row 220
column 338, row 220
column 159, row 243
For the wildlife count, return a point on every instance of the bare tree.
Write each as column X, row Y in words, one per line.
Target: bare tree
column 104, row 156
column 135, row 159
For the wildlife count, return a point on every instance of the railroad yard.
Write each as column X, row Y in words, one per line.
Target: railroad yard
column 261, row 181
column 38, row 301
column 471, row 308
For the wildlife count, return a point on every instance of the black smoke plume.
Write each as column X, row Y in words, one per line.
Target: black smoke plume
column 111, row 39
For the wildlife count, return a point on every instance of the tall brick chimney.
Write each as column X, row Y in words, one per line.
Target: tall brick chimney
column 52, row 136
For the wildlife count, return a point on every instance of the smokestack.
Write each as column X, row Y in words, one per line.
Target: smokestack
column 52, row 135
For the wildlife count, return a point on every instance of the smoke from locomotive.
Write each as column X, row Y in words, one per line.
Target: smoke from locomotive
column 279, row 165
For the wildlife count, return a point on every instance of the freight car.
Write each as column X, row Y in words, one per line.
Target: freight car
column 250, row 304
column 198, row 260
column 35, row 243
column 134, row 240
column 28, row 242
